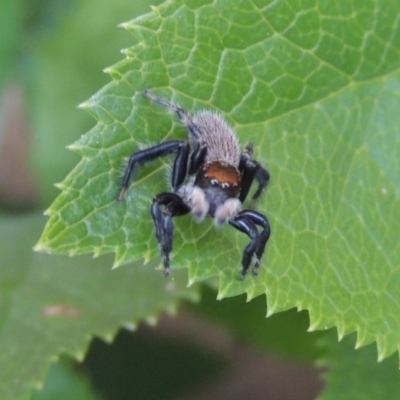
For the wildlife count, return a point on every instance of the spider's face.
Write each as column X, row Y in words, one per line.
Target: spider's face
column 219, row 176
column 215, row 192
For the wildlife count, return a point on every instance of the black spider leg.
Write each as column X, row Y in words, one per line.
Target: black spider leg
column 143, row 156
column 197, row 159
column 246, row 222
column 247, row 168
column 251, row 170
column 183, row 115
column 164, row 207
column 247, row 226
column 262, row 221
column 262, row 177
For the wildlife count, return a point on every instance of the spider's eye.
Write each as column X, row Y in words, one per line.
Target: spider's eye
column 214, row 182
column 218, row 174
column 221, row 173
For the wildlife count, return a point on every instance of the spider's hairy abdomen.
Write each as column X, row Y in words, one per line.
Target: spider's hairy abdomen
column 219, row 138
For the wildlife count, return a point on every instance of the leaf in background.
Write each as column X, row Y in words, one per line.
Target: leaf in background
column 70, row 60
column 53, row 305
column 284, row 333
column 317, row 90
column 64, row 382
column 10, row 25
column 355, row 374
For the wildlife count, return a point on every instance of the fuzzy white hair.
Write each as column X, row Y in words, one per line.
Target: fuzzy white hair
column 219, row 138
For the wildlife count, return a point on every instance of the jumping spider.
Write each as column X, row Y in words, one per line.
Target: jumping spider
column 219, row 180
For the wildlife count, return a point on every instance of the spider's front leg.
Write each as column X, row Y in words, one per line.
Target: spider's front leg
column 246, row 222
column 166, row 206
column 144, row 156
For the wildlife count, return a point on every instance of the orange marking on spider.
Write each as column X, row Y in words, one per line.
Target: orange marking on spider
column 223, row 173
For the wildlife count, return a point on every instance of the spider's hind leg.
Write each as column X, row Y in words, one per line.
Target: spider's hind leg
column 166, row 206
column 182, row 114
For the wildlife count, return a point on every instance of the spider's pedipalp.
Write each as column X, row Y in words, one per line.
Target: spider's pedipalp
column 200, row 205
column 226, row 211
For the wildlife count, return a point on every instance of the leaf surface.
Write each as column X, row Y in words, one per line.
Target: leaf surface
column 10, row 26
column 316, row 88
column 55, row 305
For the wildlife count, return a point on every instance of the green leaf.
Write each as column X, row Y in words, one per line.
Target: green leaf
column 71, row 58
column 284, row 333
column 356, row 374
column 63, row 382
column 55, row 305
column 155, row 364
column 316, row 89
column 10, row 25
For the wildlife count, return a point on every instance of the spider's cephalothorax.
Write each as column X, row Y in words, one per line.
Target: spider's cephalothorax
column 210, row 177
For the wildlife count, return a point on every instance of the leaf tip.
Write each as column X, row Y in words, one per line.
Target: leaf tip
column 191, row 281
column 251, row 294
column 130, row 27
column 125, row 25
column 41, row 247
column 127, row 53
column 146, row 258
column 270, row 312
column 314, row 322
column 108, row 337
column 97, row 252
column 60, row 186
column 130, row 326
column 361, row 340
column 48, row 212
column 341, row 332
column 86, row 105
column 79, row 355
column 384, row 349
column 221, row 294
column 151, row 320
column 155, row 9
column 113, row 72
